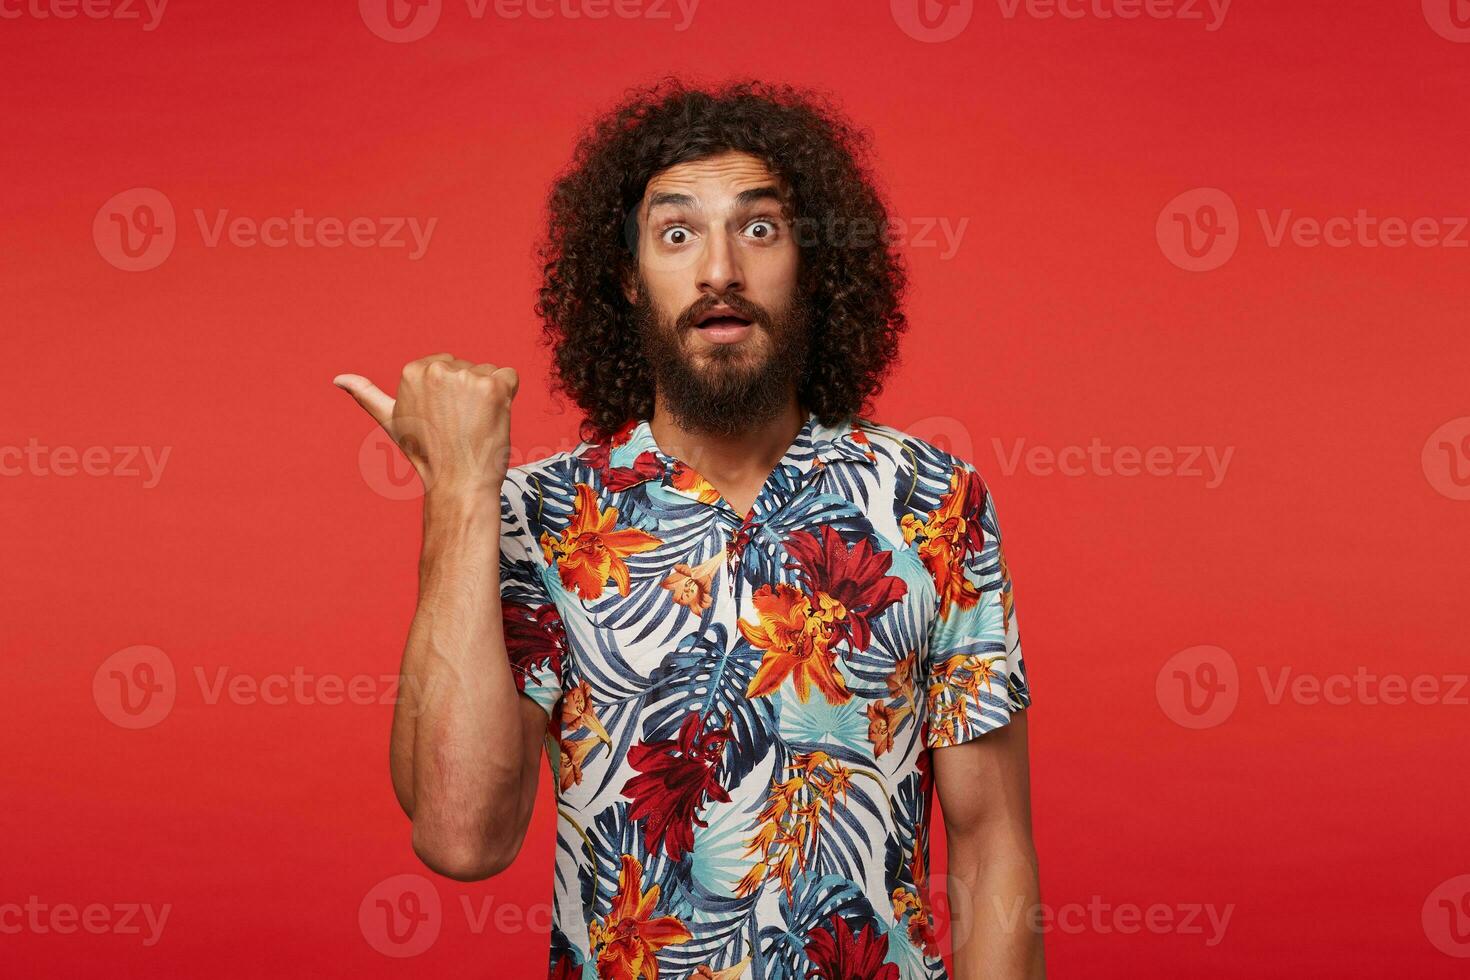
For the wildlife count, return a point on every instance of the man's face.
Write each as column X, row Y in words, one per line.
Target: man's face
column 713, row 238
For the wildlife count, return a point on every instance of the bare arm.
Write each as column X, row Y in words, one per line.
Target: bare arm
column 984, row 788
column 465, row 744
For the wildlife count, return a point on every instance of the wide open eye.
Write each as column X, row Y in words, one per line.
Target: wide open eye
column 762, row 228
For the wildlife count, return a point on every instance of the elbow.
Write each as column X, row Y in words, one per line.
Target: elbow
column 462, row 856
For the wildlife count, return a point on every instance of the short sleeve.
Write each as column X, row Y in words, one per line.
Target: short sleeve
column 975, row 677
column 535, row 638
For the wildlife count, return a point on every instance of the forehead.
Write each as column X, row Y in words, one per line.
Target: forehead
column 713, row 178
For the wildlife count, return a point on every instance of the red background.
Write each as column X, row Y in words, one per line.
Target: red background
column 263, row 548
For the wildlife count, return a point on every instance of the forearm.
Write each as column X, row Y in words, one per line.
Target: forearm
column 994, row 892
column 459, row 755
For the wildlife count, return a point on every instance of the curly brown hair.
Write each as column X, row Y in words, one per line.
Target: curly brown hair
column 854, row 280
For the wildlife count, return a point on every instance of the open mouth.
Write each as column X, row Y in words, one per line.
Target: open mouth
column 722, row 320
column 721, row 325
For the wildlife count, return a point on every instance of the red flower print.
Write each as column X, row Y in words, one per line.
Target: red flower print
column 856, row 579
column 675, row 778
column 599, row 457
column 533, row 637
column 837, row 953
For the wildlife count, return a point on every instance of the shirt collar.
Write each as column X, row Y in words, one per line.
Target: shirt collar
column 635, row 452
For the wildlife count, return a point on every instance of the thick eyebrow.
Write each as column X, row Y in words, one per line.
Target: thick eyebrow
column 742, row 200
column 671, row 199
column 768, row 193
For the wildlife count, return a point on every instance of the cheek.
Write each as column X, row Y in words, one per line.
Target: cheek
column 668, row 300
column 670, row 278
column 772, row 280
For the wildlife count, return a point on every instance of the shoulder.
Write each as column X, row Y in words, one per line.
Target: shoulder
column 528, row 473
column 530, row 485
column 913, row 456
column 936, row 491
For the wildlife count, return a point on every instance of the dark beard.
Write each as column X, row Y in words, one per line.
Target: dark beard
column 726, row 395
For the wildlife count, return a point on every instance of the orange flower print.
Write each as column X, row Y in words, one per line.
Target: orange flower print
column 628, row 940
column 901, row 679
column 685, row 478
column 571, row 754
column 790, row 820
column 951, row 682
column 577, row 711
column 592, row 548
column 798, row 642
column 882, row 720
column 705, row 972
column 913, row 904
column 948, row 537
column 691, row 586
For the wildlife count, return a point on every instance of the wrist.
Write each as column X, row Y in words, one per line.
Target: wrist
column 462, row 504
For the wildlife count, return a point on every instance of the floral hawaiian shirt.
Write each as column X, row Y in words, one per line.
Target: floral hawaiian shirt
column 741, row 707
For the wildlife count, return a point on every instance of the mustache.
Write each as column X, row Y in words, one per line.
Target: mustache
column 742, row 306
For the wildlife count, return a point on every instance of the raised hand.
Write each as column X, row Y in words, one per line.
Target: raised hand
column 451, row 418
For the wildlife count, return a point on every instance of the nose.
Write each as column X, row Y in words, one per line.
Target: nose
column 719, row 267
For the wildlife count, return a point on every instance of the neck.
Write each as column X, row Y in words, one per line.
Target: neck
column 754, row 450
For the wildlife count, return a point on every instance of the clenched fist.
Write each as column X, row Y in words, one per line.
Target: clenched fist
column 451, row 419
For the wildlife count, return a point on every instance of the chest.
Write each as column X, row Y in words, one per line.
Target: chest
column 813, row 600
